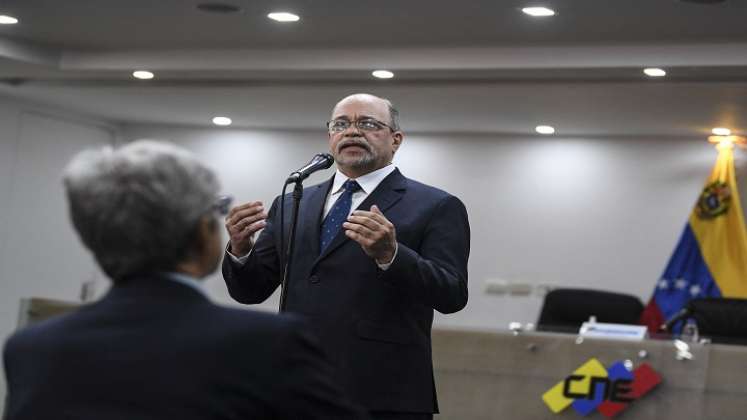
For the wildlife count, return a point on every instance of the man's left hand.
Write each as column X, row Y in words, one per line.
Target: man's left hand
column 374, row 232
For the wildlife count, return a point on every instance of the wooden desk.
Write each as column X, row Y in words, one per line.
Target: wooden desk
column 499, row 375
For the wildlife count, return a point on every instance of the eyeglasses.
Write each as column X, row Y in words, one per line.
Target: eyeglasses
column 365, row 124
column 222, row 205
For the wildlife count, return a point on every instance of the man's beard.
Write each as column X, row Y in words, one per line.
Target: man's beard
column 365, row 160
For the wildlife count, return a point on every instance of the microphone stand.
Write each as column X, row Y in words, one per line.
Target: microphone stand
column 684, row 313
column 297, row 194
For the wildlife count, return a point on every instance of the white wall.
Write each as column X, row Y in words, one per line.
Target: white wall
column 600, row 213
column 39, row 253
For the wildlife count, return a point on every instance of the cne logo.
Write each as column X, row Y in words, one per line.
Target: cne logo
column 714, row 200
column 608, row 390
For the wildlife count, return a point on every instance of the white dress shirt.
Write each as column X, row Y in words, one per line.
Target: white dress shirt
column 368, row 183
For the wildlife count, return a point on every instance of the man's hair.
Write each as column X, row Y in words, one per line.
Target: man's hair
column 393, row 114
column 137, row 207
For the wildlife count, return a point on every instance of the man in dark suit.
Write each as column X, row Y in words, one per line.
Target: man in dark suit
column 155, row 347
column 369, row 280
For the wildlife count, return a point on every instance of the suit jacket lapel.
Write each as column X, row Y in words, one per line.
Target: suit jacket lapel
column 311, row 216
column 386, row 194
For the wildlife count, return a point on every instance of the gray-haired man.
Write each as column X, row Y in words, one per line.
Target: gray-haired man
column 154, row 347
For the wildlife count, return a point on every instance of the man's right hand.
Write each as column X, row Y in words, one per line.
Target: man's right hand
column 241, row 223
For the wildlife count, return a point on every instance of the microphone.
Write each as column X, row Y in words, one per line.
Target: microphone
column 318, row 162
column 682, row 314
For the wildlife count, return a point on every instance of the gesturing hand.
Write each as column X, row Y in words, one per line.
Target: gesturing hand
column 374, row 232
column 241, row 223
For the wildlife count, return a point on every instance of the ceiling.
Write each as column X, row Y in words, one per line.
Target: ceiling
column 470, row 66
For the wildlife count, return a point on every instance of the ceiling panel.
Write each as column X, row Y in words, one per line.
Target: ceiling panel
column 116, row 24
column 477, row 66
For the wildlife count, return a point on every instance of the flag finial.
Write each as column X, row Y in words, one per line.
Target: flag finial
column 727, row 141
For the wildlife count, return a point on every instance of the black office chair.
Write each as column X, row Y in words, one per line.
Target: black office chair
column 564, row 310
column 723, row 320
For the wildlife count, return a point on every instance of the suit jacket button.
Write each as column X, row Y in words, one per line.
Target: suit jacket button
column 314, row 279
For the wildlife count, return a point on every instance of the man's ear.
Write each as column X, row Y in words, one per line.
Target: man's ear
column 208, row 226
column 397, row 138
column 204, row 232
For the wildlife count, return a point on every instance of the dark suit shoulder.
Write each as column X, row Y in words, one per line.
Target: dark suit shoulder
column 248, row 318
column 209, row 322
column 47, row 330
column 428, row 196
column 247, row 326
column 426, row 189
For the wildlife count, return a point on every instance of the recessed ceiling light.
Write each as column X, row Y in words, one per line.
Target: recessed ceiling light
column 8, row 20
column 142, row 74
column 382, row 74
column 654, row 72
column 545, row 129
column 224, row 8
column 222, row 121
column 283, row 17
column 720, row 131
column 538, row 11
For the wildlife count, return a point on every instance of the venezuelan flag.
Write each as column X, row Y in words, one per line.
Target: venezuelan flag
column 711, row 256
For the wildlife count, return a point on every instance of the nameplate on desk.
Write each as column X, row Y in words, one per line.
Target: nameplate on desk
column 612, row 331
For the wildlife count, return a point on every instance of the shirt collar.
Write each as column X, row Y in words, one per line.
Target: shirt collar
column 185, row 280
column 368, row 182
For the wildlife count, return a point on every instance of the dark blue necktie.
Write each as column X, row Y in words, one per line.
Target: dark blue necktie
column 338, row 214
